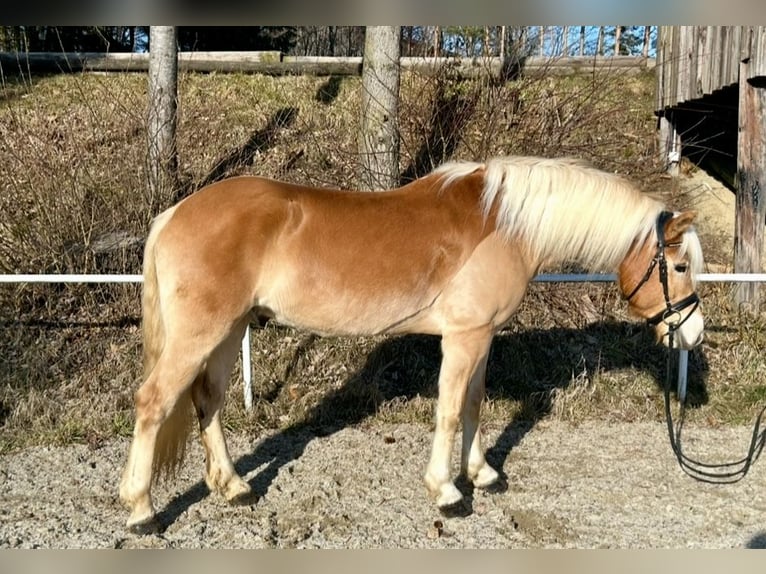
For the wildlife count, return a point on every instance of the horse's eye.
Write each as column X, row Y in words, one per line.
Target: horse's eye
column 681, row 267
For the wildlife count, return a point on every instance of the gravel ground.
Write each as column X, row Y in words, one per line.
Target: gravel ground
column 589, row 486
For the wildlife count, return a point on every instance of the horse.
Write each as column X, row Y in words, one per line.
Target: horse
column 448, row 254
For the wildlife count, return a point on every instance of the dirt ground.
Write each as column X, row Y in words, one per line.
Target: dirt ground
column 715, row 206
column 592, row 486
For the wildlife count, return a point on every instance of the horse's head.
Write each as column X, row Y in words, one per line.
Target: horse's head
column 658, row 279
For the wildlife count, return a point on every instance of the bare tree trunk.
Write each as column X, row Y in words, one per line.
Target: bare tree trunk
column 410, row 40
column 332, row 32
column 379, row 135
column 542, row 40
column 617, row 36
column 582, row 40
column 161, row 123
column 600, row 42
column 437, row 41
column 647, row 39
column 523, row 39
column 503, row 40
column 565, row 40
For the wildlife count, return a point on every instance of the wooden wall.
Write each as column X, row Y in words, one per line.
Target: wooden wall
column 694, row 61
column 702, row 73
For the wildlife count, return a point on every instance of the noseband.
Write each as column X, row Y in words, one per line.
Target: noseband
column 672, row 310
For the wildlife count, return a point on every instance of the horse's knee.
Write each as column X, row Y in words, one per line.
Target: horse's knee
column 150, row 408
column 447, row 421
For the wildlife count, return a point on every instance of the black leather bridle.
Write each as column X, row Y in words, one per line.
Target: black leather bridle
column 719, row 473
column 671, row 310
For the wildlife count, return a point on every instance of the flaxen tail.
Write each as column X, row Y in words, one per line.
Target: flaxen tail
column 172, row 436
column 152, row 325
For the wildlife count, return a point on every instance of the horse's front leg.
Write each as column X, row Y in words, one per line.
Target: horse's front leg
column 472, row 461
column 462, row 354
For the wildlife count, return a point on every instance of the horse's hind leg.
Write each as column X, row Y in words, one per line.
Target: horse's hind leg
column 208, row 393
column 462, row 354
column 160, row 430
column 472, row 461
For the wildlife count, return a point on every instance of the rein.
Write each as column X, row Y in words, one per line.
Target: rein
column 723, row 473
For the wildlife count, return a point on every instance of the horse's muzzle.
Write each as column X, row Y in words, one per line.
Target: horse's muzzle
column 688, row 335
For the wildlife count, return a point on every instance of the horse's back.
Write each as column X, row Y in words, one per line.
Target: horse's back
column 330, row 261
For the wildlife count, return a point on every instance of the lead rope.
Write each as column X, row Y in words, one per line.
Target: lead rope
column 723, row 473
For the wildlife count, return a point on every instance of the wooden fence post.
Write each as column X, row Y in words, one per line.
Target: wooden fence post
column 751, row 185
column 162, row 114
column 669, row 143
column 379, row 131
column 647, row 40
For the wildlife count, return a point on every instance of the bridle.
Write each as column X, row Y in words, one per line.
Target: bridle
column 671, row 310
column 724, row 473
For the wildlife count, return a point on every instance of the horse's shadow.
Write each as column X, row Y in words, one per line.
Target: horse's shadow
column 528, row 366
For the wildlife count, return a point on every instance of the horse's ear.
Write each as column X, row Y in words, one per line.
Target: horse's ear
column 677, row 225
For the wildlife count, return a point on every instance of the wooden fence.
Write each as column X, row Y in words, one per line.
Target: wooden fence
column 276, row 63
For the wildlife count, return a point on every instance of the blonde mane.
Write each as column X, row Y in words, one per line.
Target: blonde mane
column 566, row 209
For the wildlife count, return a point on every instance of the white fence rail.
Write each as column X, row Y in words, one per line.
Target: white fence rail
column 543, row 278
column 59, row 278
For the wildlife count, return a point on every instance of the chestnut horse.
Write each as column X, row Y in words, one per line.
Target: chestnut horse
column 449, row 254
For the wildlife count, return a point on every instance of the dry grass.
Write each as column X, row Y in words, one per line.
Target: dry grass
column 72, row 191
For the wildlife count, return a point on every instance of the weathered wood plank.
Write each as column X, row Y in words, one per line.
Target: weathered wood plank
column 697, row 61
column 757, row 66
column 661, row 69
column 676, row 62
column 751, row 185
column 723, row 39
column 714, row 57
column 683, row 64
column 734, row 53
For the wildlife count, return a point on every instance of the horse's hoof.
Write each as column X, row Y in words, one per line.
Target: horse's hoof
column 459, row 509
column 485, row 477
column 498, row 487
column 243, row 499
column 145, row 527
column 451, row 502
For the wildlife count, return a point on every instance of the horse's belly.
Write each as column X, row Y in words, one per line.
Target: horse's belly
column 349, row 313
column 348, row 287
